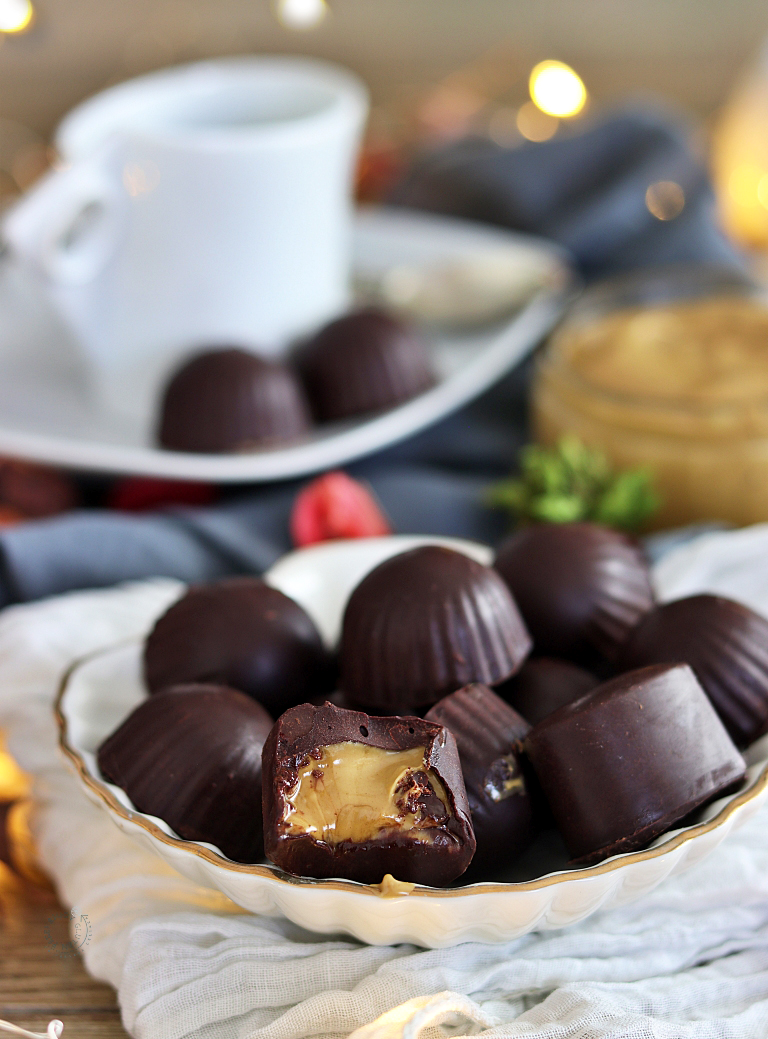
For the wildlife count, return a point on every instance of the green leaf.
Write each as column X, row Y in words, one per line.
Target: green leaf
column 561, row 508
column 628, row 501
column 573, row 482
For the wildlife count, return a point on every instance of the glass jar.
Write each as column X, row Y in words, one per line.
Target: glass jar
column 668, row 370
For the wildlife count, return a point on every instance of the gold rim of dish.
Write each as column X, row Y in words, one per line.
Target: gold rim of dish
column 102, row 791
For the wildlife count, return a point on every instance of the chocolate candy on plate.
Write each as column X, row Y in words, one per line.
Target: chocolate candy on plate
column 192, row 757
column 631, row 759
column 350, row 795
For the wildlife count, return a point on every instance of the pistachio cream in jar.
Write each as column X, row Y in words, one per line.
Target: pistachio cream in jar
column 679, row 387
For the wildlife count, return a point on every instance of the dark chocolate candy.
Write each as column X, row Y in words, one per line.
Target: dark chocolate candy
column 725, row 643
column 340, row 699
column 231, row 400
column 347, row 794
column 630, row 759
column 543, row 684
column 363, row 362
column 192, row 757
column 425, row 623
column 240, row 632
column 489, row 735
column 581, row 588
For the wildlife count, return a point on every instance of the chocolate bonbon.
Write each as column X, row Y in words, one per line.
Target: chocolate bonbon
column 231, row 400
column 631, row 759
column 489, row 735
column 580, row 587
column 350, row 795
column 243, row 633
column 363, row 362
column 192, row 757
column 543, row 684
column 425, row 623
column 725, row 643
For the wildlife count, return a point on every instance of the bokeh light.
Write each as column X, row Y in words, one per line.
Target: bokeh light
column 301, row 14
column 557, row 90
column 502, row 127
column 534, row 124
column 665, row 199
column 744, row 185
column 15, row 15
column 13, row 782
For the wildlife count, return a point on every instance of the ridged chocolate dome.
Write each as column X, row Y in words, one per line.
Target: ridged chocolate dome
column 489, row 735
column 581, row 588
column 543, row 684
column 192, row 757
column 242, row 633
column 425, row 623
column 725, row 643
column 363, row 362
column 231, row 400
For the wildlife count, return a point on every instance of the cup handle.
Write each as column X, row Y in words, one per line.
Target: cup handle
column 70, row 222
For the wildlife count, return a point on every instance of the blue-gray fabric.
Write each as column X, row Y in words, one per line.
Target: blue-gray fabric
column 587, row 192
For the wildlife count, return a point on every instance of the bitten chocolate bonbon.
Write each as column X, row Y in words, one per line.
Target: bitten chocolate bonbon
column 489, row 735
column 231, row 400
column 192, row 757
column 243, row 633
column 725, row 643
column 543, row 684
column 363, row 362
column 580, row 587
column 630, row 759
column 354, row 796
column 425, row 623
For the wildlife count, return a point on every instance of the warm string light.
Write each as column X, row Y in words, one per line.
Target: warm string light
column 15, row 15
column 665, row 199
column 13, row 782
column 557, row 90
column 534, row 124
column 301, row 14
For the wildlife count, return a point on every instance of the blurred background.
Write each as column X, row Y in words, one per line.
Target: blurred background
column 686, row 50
column 436, row 68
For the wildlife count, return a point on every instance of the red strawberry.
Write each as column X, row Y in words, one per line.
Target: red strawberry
column 336, row 506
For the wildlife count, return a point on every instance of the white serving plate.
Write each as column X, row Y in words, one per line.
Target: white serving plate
column 97, row 693
column 47, row 412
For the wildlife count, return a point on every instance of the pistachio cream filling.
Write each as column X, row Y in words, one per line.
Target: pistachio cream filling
column 354, row 792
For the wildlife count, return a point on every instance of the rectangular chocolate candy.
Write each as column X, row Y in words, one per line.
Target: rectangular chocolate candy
column 350, row 795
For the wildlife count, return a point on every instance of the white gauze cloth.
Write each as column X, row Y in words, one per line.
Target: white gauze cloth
column 688, row 960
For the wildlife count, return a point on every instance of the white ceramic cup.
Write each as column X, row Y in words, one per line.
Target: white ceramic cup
column 208, row 204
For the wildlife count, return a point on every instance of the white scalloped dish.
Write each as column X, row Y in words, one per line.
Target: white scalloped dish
column 97, row 693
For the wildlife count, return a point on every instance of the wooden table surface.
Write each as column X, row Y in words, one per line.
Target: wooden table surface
column 41, row 973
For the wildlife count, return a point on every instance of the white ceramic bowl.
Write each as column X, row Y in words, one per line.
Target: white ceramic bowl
column 97, row 693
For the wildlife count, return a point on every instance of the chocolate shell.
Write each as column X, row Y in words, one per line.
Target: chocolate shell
column 725, row 643
column 242, row 633
column 489, row 736
column 364, row 362
column 230, row 400
column 631, row 759
column 350, row 795
column 581, row 588
column 192, row 757
column 425, row 623
column 543, row 684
